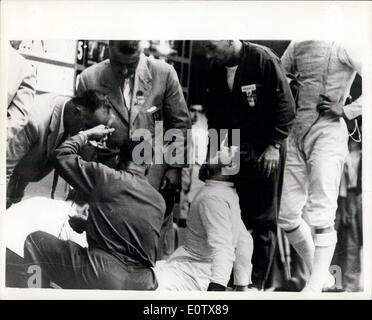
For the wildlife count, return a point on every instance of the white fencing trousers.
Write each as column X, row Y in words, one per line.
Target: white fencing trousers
column 182, row 273
column 312, row 177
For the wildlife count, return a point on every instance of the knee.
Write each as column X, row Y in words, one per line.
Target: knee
column 321, row 217
column 289, row 221
column 325, row 239
column 290, row 214
column 35, row 236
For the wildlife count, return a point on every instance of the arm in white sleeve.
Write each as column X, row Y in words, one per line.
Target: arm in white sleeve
column 353, row 109
column 350, row 56
column 21, row 91
column 216, row 218
column 19, row 145
column 243, row 255
column 287, row 59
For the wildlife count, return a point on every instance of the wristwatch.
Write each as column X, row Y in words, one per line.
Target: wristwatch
column 276, row 145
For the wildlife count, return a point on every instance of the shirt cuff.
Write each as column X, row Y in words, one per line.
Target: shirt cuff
column 84, row 136
column 241, row 276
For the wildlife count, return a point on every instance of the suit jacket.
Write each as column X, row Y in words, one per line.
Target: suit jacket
column 21, row 92
column 155, row 85
column 260, row 104
column 29, row 154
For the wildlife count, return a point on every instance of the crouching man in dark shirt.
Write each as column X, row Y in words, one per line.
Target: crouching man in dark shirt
column 123, row 226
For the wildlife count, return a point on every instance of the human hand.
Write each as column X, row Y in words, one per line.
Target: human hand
column 98, row 132
column 330, row 108
column 268, row 162
column 172, row 179
column 78, row 222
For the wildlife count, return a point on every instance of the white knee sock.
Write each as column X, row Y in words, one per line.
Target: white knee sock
column 302, row 240
column 325, row 244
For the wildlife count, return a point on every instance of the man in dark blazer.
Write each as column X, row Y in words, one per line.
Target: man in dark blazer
column 123, row 226
column 247, row 90
column 52, row 118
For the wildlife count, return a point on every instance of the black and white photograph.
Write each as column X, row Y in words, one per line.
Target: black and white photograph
column 165, row 164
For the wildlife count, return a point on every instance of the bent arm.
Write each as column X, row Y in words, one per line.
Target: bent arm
column 80, row 174
column 21, row 93
column 283, row 108
column 350, row 56
column 215, row 216
column 243, row 253
column 18, row 146
column 176, row 116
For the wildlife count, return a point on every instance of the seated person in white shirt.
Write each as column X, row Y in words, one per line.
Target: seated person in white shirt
column 216, row 243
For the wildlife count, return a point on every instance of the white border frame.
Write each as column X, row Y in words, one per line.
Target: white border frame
column 270, row 20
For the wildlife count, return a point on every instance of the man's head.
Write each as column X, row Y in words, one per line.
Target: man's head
column 137, row 154
column 220, row 167
column 124, row 57
column 195, row 111
column 86, row 111
column 223, row 52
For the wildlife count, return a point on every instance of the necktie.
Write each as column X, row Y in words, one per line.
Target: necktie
column 127, row 92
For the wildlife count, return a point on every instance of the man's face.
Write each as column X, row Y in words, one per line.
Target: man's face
column 123, row 65
column 195, row 111
column 84, row 119
column 102, row 115
column 220, row 51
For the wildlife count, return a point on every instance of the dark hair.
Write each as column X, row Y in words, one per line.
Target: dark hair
column 125, row 46
column 92, row 100
column 127, row 148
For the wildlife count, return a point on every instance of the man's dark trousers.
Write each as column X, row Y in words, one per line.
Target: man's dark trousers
column 259, row 203
column 73, row 267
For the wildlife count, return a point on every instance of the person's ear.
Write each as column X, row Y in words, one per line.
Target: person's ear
column 85, row 209
column 77, row 110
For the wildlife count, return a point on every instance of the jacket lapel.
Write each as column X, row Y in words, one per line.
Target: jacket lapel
column 142, row 87
column 112, row 88
column 56, row 127
column 243, row 71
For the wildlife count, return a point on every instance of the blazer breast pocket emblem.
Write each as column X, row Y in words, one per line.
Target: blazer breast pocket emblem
column 140, row 98
column 250, row 94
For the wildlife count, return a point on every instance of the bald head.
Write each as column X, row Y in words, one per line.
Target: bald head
column 124, row 57
column 223, row 52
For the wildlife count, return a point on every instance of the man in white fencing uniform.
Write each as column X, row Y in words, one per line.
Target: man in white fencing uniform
column 217, row 241
column 317, row 150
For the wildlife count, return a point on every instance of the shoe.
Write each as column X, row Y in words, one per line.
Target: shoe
column 252, row 288
column 329, row 283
